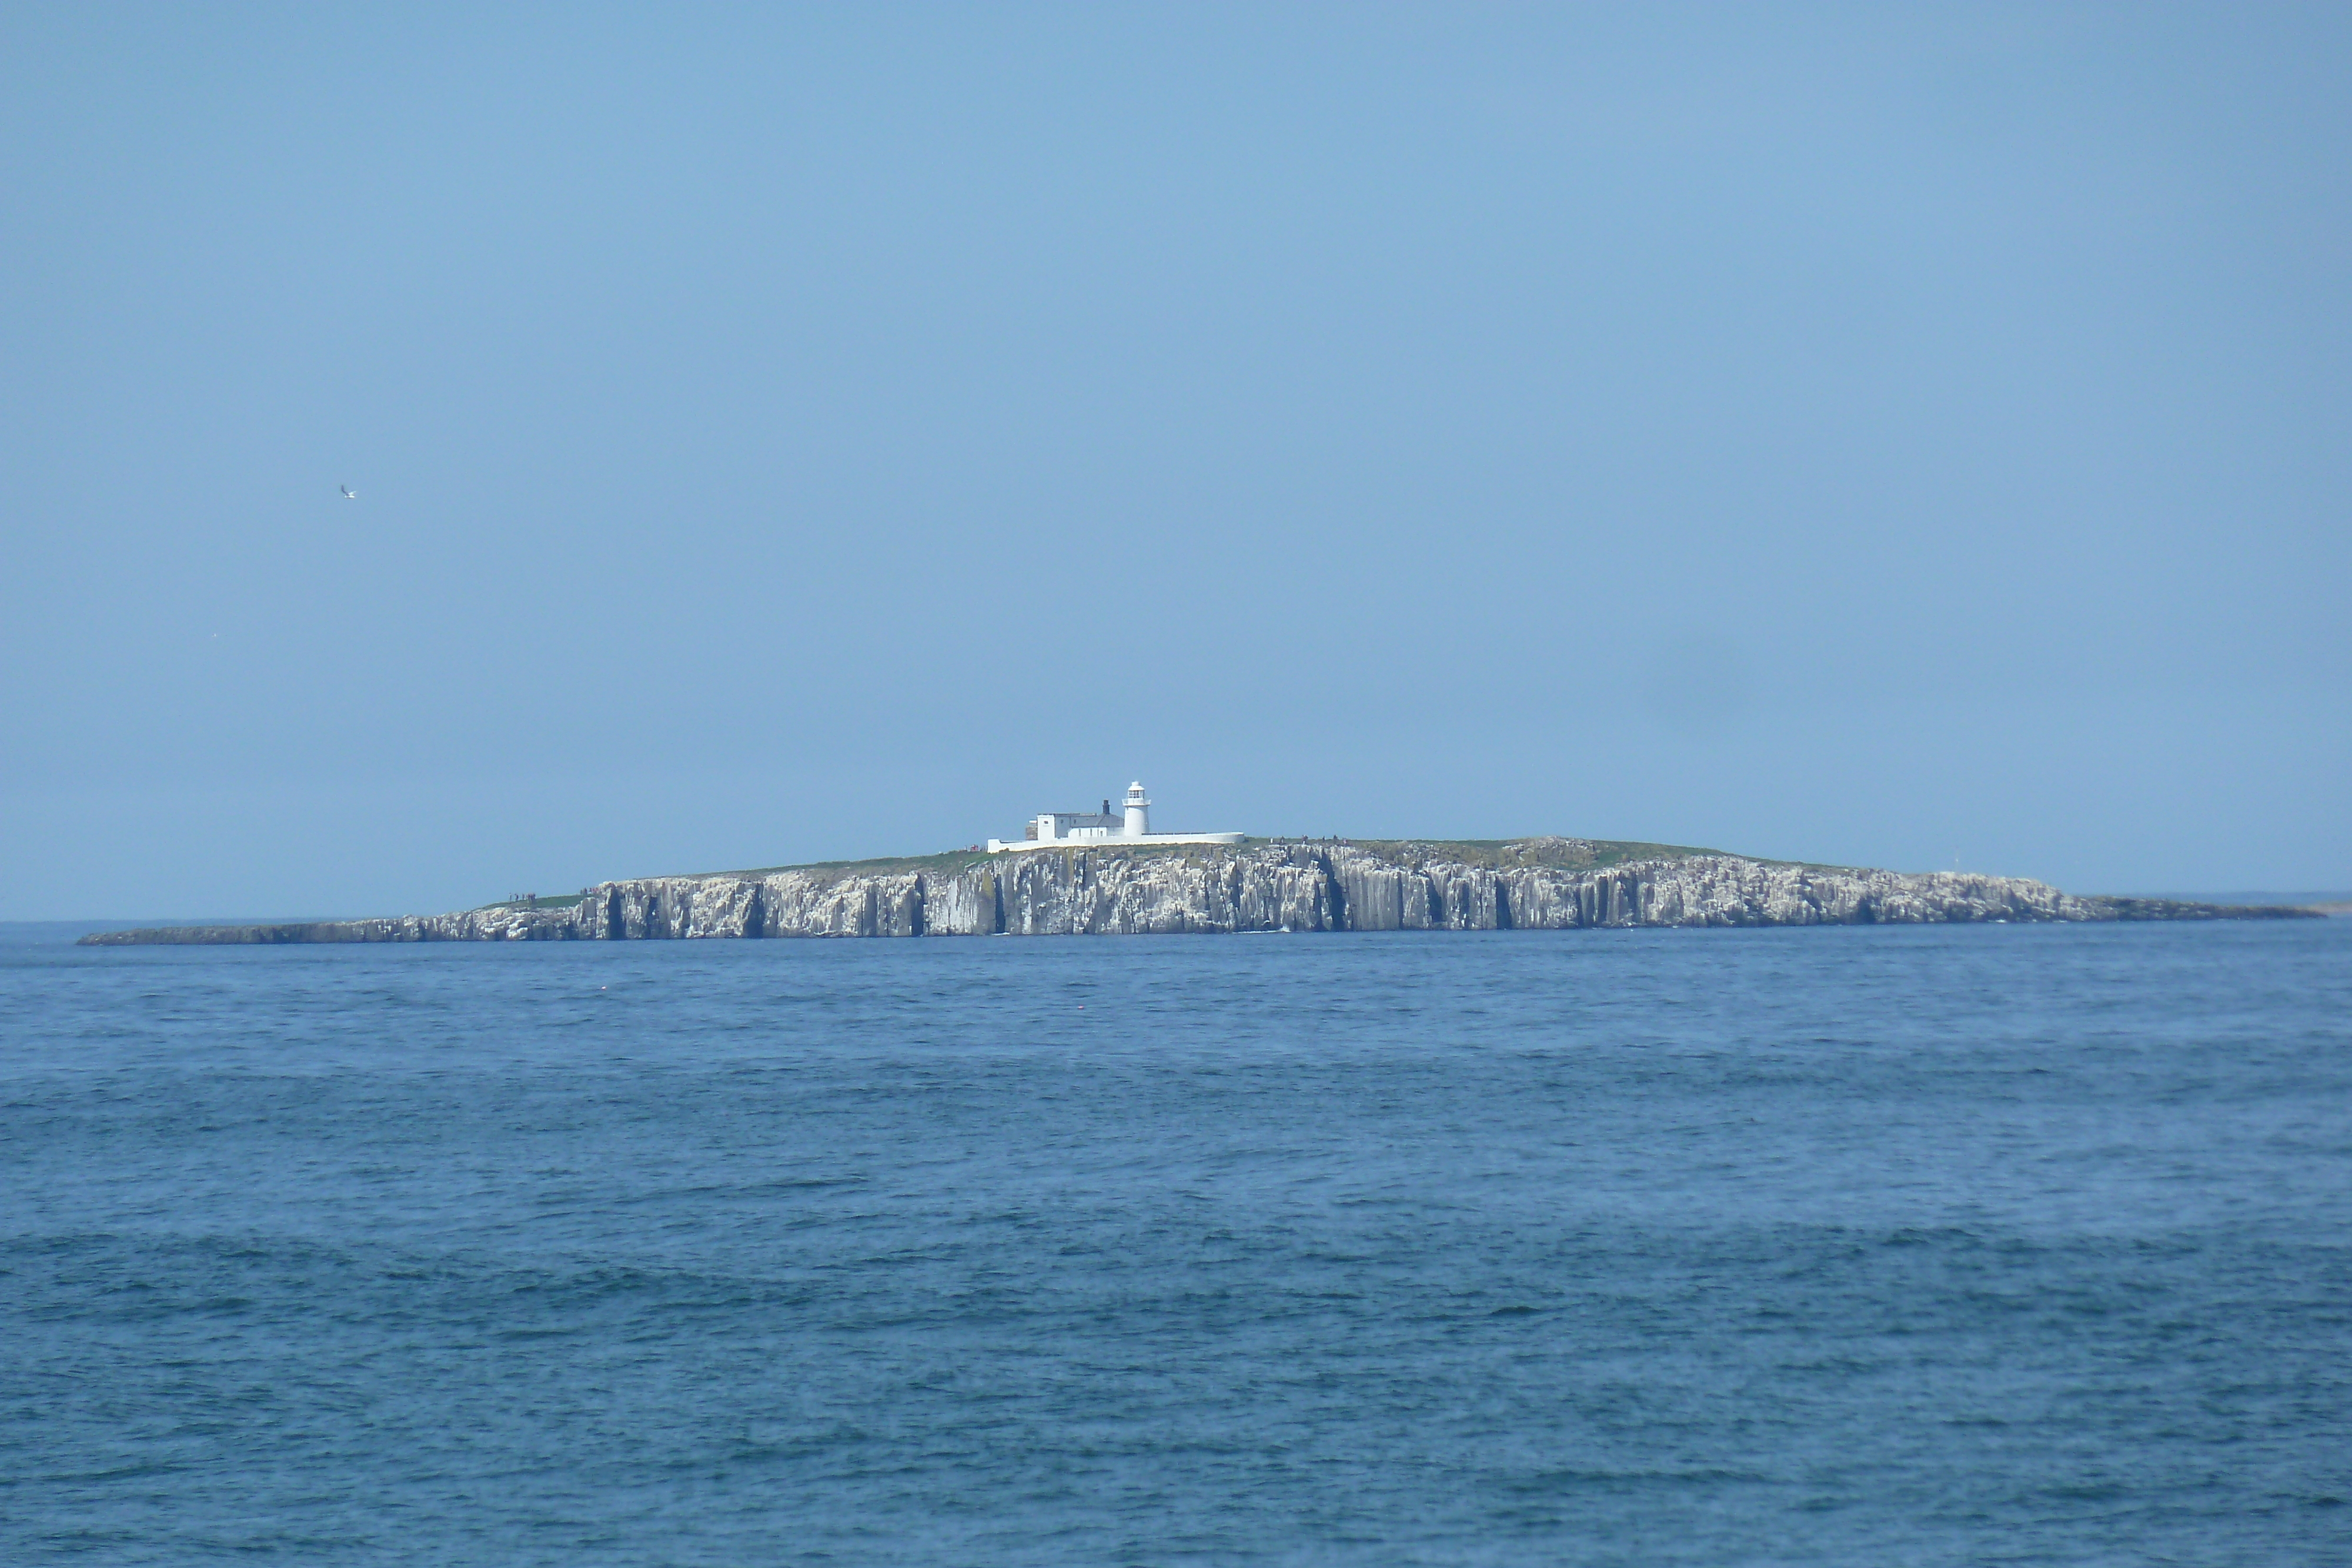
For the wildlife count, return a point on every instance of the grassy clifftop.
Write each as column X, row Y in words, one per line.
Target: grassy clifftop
column 1565, row 855
column 1568, row 854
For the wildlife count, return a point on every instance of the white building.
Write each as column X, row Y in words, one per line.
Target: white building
column 1067, row 829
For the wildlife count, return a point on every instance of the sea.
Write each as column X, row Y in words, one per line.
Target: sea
column 1999, row 1244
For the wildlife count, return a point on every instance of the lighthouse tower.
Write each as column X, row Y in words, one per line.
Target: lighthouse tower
column 1077, row 829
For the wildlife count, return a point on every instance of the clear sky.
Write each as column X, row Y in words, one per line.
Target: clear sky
column 1881, row 435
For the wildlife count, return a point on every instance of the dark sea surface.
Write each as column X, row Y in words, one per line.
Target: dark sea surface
column 1962, row 1245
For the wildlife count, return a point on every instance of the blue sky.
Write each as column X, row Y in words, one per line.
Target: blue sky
column 1885, row 436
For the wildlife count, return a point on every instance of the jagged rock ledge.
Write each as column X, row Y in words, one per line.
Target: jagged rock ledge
column 1548, row 883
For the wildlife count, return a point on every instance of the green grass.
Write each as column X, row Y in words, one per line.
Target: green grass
column 546, row 901
column 1565, row 855
column 947, row 862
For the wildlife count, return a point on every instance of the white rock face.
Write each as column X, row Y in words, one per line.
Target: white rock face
column 1526, row 884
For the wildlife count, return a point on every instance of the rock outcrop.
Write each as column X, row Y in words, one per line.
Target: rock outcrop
column 1526, row 884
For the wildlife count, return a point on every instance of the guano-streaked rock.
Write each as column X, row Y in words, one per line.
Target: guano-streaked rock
column 1548, row 884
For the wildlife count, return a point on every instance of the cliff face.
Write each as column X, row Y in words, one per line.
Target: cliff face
column 1530, row 883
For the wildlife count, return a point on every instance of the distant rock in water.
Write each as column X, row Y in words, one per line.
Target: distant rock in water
column 1543, row 884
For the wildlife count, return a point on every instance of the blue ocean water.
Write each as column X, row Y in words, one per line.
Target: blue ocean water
column 1875, row 1246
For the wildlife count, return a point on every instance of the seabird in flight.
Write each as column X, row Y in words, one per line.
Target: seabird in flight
column 348, row 494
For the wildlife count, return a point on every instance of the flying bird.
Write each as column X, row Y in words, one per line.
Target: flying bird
column 348, row 494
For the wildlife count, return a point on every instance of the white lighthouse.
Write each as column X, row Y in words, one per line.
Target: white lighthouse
column 1104, row 830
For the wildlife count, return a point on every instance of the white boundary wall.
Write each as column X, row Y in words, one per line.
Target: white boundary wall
column 1110, row 841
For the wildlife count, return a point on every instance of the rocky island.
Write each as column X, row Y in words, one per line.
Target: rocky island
column 1261, row 885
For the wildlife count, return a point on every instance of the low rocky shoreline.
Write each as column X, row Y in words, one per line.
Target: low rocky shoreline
column 1546, row 883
